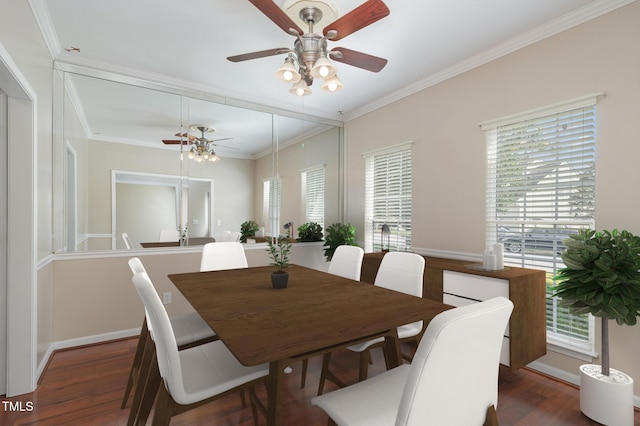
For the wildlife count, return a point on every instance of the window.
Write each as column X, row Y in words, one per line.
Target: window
column 312, row 183
column 271, row 199
column 388, row 198
column 541, row 189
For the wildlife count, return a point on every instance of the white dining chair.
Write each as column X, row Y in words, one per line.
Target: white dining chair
column 346, row 262
column 223, row 255
column 398, row 271
column 169, row 235
column 193, row 376
column 189, row 330
column 452, row 380
column 127, row 241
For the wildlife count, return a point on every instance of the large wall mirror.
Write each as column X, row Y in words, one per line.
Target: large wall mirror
column 122, row 163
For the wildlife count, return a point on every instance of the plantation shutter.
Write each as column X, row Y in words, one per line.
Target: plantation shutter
column 541, row 189
column 388, row 186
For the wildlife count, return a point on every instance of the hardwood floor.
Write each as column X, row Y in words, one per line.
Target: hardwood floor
column 84, row 386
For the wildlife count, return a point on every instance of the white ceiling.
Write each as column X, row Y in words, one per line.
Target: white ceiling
column 185, row 44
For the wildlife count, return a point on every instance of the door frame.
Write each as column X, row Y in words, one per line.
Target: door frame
column 21, row 228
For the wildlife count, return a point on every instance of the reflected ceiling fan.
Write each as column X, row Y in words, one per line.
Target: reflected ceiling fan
column 201, row 148
column 310, row 56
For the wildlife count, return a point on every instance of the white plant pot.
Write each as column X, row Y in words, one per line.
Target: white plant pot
column 606, row 399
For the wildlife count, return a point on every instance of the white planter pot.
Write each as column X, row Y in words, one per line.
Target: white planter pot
column 606, row 399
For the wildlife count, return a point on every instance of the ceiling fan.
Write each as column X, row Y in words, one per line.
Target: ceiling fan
column 201, row 148
column 310, row 55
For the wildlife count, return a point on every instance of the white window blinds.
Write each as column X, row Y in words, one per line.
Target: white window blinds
column 271, row 201
column 541, row 189
column 388, row 182
column 312, row 183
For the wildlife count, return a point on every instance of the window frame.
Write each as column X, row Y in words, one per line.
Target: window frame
column 401, row 200
column 582, row 349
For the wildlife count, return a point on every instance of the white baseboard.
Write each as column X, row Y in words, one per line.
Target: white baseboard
column 82, row 341
column 567, row 377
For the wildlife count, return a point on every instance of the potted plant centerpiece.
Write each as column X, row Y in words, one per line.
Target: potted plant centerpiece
column 602, row 277
column 279, row 253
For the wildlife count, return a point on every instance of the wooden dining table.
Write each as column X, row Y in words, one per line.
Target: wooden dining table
column 317, row 313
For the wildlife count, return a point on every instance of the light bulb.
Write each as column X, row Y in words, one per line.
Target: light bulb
column 287, row 75
column 324, row 71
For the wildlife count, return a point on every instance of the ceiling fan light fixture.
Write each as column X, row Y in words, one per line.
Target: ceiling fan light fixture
column 213, row 156
column 332, row 84
column 300, row 89
column 323, row 68
column 287, row 72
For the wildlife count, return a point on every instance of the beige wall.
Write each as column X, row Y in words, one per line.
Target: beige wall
column 317, row 150
column 94, row 296
column 449, row 151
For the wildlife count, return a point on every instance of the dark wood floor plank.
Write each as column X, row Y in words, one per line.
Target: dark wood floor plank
column 84, row 386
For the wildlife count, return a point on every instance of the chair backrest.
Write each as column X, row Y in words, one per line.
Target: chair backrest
column 453, row 378
column 401, row 271
column 223, row 255
column 165, row 340
column 135, row 264
column 169, row 235
column 347, row 262
column 127, row 241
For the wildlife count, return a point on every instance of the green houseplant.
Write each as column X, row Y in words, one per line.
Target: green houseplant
column 338, row 234
column 602, row 277
column 310, row 231
column 248, row 229
column 279, row 253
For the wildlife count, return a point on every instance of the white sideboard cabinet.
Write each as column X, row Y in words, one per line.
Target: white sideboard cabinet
column 457, row 282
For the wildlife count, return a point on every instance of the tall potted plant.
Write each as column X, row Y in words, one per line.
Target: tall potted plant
column 279, row 254
column 602, row 277
column 248, row 229
column 338, row 234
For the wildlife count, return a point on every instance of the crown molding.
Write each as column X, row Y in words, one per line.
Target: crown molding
column 549, row 29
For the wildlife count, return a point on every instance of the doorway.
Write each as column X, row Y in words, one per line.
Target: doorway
column 3, row 242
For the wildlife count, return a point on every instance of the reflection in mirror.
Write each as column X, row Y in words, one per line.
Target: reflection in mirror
column 113, row 124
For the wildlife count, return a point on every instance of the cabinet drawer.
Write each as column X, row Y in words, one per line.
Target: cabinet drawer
column 474, row 287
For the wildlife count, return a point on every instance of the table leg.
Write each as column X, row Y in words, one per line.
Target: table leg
column 392, row 349
column 275, row 390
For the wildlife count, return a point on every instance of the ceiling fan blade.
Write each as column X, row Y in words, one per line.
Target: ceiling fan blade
column 175, row 142
column 359, row 59
column 221, row 139
column 224, row 146
column 256, row 55
column 185, row 135
column 365, row 14
column 277, row 15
